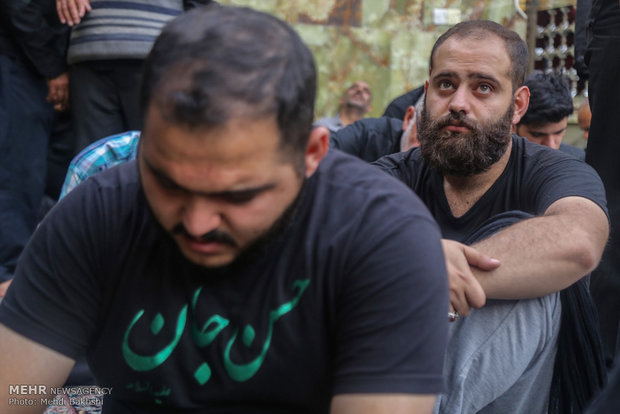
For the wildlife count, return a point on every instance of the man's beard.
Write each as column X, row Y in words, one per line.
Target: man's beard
column 463, row 154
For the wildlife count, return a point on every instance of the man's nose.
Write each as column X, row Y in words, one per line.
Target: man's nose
column 201, row 215
column 459, row 101
column 553, row 140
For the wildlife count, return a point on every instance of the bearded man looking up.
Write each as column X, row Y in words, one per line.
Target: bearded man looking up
column 520, row 223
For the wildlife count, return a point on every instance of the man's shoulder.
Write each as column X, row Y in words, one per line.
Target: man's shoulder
column 332, row 123
column 529, row 152
column 99, row 156
column 116, row 185
column 403, row 164
column 383, row 125
column 355, row 181
column 369, row 138
column 107, row 152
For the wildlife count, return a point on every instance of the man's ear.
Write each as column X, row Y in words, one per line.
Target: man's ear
column 522, row 101
column 318, row 145
column 409, row 116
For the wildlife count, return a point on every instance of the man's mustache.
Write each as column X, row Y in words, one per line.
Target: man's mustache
column 214, row 236
column 456, row 119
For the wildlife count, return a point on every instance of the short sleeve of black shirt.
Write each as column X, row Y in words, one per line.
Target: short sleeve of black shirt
column 370, row 138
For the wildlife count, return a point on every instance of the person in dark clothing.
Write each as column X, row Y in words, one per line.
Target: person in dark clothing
column 33, row 80
column 582, row 19
column 468, row 170
column 109, row 42
column 372, row 138
column 398, row 107
column 603, row 60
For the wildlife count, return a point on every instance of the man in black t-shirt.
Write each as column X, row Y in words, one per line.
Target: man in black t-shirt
column 235, row 266
column 476, row 178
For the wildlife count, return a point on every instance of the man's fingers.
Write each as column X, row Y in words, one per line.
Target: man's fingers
column 476, row 298
column 70, row 12
column 479, row 260
column 73, row 11
column 60, row 11
column 82, row 7
column 458, row 302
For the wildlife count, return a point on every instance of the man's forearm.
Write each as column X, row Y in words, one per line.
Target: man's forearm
column 545, row 254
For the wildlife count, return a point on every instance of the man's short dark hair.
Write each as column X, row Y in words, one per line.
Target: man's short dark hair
column 480, row 29
column 216, row 63
column 550, row 99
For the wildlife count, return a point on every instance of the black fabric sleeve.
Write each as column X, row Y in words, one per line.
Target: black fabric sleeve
column 350, row 139
column 370, row 138
column 558, row 175
column 393, row 312
column 55, row 296
column 398, row 166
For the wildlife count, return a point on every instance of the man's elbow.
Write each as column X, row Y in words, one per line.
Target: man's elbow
column 588, row 250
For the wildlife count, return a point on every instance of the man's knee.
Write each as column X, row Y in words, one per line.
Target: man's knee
column 495, row 346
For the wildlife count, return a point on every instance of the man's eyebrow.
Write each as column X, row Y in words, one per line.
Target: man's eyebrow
column 483, row 76
column 162, row 176
column 475, row 75
column 444, row 75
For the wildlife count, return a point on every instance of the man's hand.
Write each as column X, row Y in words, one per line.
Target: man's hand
column 58, row 93
column 70, row 12
column 465, row 290
column 4, row 286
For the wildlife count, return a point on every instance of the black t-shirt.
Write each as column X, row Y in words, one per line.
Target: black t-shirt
column 533, row 179
column 369, row 138
column 573, row 151
column 350, row 297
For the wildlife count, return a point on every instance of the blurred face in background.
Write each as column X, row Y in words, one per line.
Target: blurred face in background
column 358, row 95
column 550, row 134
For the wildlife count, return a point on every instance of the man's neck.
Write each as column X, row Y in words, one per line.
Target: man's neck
column 350, row 114
column 463, row 192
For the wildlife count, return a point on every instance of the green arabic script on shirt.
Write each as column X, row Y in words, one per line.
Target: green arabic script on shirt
column 205, row 335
